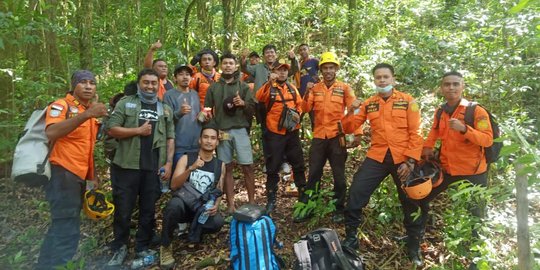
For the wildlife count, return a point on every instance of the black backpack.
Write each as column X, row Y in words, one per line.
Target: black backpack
column 321, row 249
column 492, row 153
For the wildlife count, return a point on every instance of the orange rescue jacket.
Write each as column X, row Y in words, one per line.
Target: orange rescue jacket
column 75, row 151
column 328, row 105
column 274, row 114
column 395, row 125
column 462, row 153
column 200, row 84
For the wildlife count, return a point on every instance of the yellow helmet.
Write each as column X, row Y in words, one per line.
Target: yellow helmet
column 328, row 57
column 96, row 206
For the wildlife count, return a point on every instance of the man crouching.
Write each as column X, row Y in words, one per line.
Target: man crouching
column 196, row 182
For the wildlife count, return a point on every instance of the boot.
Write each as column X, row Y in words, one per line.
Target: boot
column 413, row 251
column 351, row 240
column 271, row 202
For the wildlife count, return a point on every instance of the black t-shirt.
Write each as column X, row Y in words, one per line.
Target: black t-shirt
column 203, row 178
column 149, row 159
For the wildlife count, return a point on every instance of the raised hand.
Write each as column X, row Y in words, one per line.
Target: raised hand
column 96, row 109
column 145, row 129
column 156, row 46
column 237, row 100
column 197, row 164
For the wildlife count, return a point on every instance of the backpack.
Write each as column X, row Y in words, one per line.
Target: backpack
column 492, row 153
column 289, row 118
column 31, row 156
column 321, row 249
column 252, row 244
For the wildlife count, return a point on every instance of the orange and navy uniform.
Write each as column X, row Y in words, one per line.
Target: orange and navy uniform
column 200, row 84
column 328, row 105
column 273, row 115
column 462, row 153
column 75, row 151
column 395, row 125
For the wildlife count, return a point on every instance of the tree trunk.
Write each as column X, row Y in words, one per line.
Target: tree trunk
column 227, row 24
column 524, row 246
column 351, row 41
column 84, row 24
column 185, row 27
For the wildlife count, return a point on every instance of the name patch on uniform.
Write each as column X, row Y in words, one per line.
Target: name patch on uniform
column 400, row 105
column 337, row 92
column 372, row 107
column 74, row 109
column 130, row 105
column 318, row 93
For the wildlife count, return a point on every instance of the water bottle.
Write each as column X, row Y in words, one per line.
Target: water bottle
column 164, row 182
column 203, row 217
column 142, row 262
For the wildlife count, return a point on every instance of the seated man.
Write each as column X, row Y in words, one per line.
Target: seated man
column 196, row 179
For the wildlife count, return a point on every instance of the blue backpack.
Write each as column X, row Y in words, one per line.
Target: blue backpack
column 251, row 244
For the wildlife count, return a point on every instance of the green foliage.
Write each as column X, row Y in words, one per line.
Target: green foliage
column 320, row 203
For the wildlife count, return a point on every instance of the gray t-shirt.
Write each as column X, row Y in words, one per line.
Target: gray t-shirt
column 187, row 128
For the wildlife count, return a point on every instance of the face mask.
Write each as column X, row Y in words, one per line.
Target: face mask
column 383, row 90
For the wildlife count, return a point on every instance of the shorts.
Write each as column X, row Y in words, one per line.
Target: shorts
column 238, row 142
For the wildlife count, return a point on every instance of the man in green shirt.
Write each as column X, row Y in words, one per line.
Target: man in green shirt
column 233, row 105
column 145, row 132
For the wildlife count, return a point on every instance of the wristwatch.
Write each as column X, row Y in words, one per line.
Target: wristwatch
column 411, row 161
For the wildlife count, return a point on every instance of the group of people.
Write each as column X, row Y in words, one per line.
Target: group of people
column 173, row 133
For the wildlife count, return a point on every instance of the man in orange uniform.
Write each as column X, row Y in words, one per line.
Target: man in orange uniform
column 160, row 66
column 72, row 126
column 275, row 94
column 462, row 146
column 396, row 144
column 208, row 74
column 328, row 100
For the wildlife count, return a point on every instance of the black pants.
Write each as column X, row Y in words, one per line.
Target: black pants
column 280, row 147
column 320, row 151
column 477, row 210
column 128, row 185
column 177, row 211
column 366, row 180
column 64, row 194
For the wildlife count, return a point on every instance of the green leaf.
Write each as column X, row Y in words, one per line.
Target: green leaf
column 509, row 149
column 526, row 159
column 520, row 6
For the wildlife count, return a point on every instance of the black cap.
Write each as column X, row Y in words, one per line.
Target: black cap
column 181, row 67
column 254, row 53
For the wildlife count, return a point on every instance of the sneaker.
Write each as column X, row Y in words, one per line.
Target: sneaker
column 166, row 259
column 118, row 257
column 146, row 252
column 182, row 229
column 286, row 168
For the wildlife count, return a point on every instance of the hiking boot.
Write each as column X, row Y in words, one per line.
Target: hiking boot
column 302, row 218
column 413, row 250
column 166, row 259
column 146, row 252
column 338, row 217
column 415, row 257
column 118, row 257
column 271, row 202
column 351, row 240
column 182, row 229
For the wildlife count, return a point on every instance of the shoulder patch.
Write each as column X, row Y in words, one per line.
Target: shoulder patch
column 55, row 113
column 415, row 107
column 482, row 124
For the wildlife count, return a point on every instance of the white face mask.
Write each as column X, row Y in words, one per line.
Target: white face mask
column 383, row 90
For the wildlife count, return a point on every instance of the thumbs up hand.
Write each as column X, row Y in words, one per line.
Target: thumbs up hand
column 155, row 46
column 145, row 129
column 185, row 108
column 238, row 101
column 197, row 164
column 96, row 109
